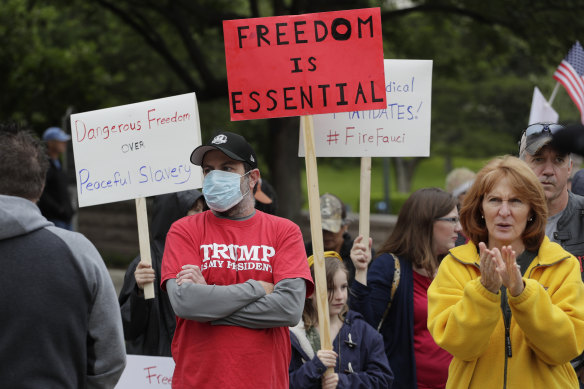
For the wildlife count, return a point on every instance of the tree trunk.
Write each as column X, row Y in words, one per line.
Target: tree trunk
column 285, row 166
column 448, row 163
column 404, row 170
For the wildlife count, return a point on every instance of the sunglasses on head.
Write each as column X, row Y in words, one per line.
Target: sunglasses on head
column 539, row 128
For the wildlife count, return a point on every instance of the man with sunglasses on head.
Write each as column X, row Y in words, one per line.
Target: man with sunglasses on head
column 236, row 278
column 553, row 167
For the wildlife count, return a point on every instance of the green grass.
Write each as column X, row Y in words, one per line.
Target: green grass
column 341, row 177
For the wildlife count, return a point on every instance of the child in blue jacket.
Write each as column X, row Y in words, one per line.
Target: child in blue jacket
column 358, row 357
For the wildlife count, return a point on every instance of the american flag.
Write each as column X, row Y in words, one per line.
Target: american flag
column 570, row 74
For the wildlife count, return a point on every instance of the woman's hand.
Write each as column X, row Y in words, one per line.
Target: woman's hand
column 490, row 278
column 327, row 357
column 508, row 270
column 361, row 257
column 144, row 274
column 192, row 274
column 330, row 381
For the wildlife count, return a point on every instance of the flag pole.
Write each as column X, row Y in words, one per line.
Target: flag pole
column 553, row 96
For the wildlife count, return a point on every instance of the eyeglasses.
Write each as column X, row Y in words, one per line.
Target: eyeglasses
column 453, row 220
column 539, row 128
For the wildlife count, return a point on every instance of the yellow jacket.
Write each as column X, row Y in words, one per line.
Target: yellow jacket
column 546, row 330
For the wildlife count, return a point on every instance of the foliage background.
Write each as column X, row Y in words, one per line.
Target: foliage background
column 58, row 57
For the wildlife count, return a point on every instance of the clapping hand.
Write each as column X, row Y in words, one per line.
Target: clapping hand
column 509, row 270
column 499, row 267
column 490, row 278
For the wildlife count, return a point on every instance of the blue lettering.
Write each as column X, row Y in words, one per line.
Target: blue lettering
column 411, row 116
column 144, row 175
column 178, row 174
column 87, row 185
column 394, row 86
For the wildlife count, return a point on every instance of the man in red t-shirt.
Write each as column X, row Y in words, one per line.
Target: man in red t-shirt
column 236, row 278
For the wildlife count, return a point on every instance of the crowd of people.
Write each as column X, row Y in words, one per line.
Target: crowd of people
column 478, row 285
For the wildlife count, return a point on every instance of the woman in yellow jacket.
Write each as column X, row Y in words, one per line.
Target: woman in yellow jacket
column 508, row 305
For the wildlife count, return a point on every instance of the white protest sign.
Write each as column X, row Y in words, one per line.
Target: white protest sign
column 400, row 130
column 136, row 150
column 146, row 372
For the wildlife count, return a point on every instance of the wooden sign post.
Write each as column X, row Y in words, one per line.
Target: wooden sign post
column 298, row 65
column 144, row 239
column 316, row 234
column 365, row 198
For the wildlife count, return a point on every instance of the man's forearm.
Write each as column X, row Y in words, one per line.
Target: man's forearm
column 211, row 302
column 281, row 308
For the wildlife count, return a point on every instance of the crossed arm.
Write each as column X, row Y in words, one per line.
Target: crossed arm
column 252, row 304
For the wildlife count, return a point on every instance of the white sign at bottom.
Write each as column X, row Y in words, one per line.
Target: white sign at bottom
column 146, row 372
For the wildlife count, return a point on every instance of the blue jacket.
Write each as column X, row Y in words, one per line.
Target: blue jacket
column 361, row 364
column 398, row 327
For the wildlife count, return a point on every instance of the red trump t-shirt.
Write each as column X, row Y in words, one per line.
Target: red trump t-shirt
column 264, row 248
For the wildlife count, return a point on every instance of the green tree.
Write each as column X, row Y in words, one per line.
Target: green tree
column 60, row 56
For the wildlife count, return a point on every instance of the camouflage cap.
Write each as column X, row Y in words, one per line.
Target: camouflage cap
column 331, row 212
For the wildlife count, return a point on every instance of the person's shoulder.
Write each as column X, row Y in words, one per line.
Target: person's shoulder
column 551, row 252
column 186, row 221
column 384, row 260
column 80, row 247
column 276, row 220
column 465, row 253
column 357, row 321
column 576, row 199
column 70, row 237
column 353, row 316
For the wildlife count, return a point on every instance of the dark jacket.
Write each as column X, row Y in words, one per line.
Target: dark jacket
column 55, row 202
column 149, row 324
column 570, row 228
column 361, row 363
column 398, row 327
column 570, row 235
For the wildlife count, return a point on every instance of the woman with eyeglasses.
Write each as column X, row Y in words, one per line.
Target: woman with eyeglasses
column 508, row 305
column 357, row 357
column 392, row 295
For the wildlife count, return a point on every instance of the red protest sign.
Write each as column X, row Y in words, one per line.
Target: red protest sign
column 305, row 64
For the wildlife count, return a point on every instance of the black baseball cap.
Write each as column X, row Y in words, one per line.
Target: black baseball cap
column 233, row 145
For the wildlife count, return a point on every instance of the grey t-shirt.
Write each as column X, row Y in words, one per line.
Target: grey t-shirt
column 552, row 224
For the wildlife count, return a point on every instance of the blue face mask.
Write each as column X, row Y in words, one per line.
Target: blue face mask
column 222, row 190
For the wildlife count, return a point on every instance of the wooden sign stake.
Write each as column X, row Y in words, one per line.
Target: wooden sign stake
column 144, row 239
column 365, row 199
column 316, row 234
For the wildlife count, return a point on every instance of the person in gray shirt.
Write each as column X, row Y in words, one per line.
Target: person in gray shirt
column 553, row 167
column 61, row 324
